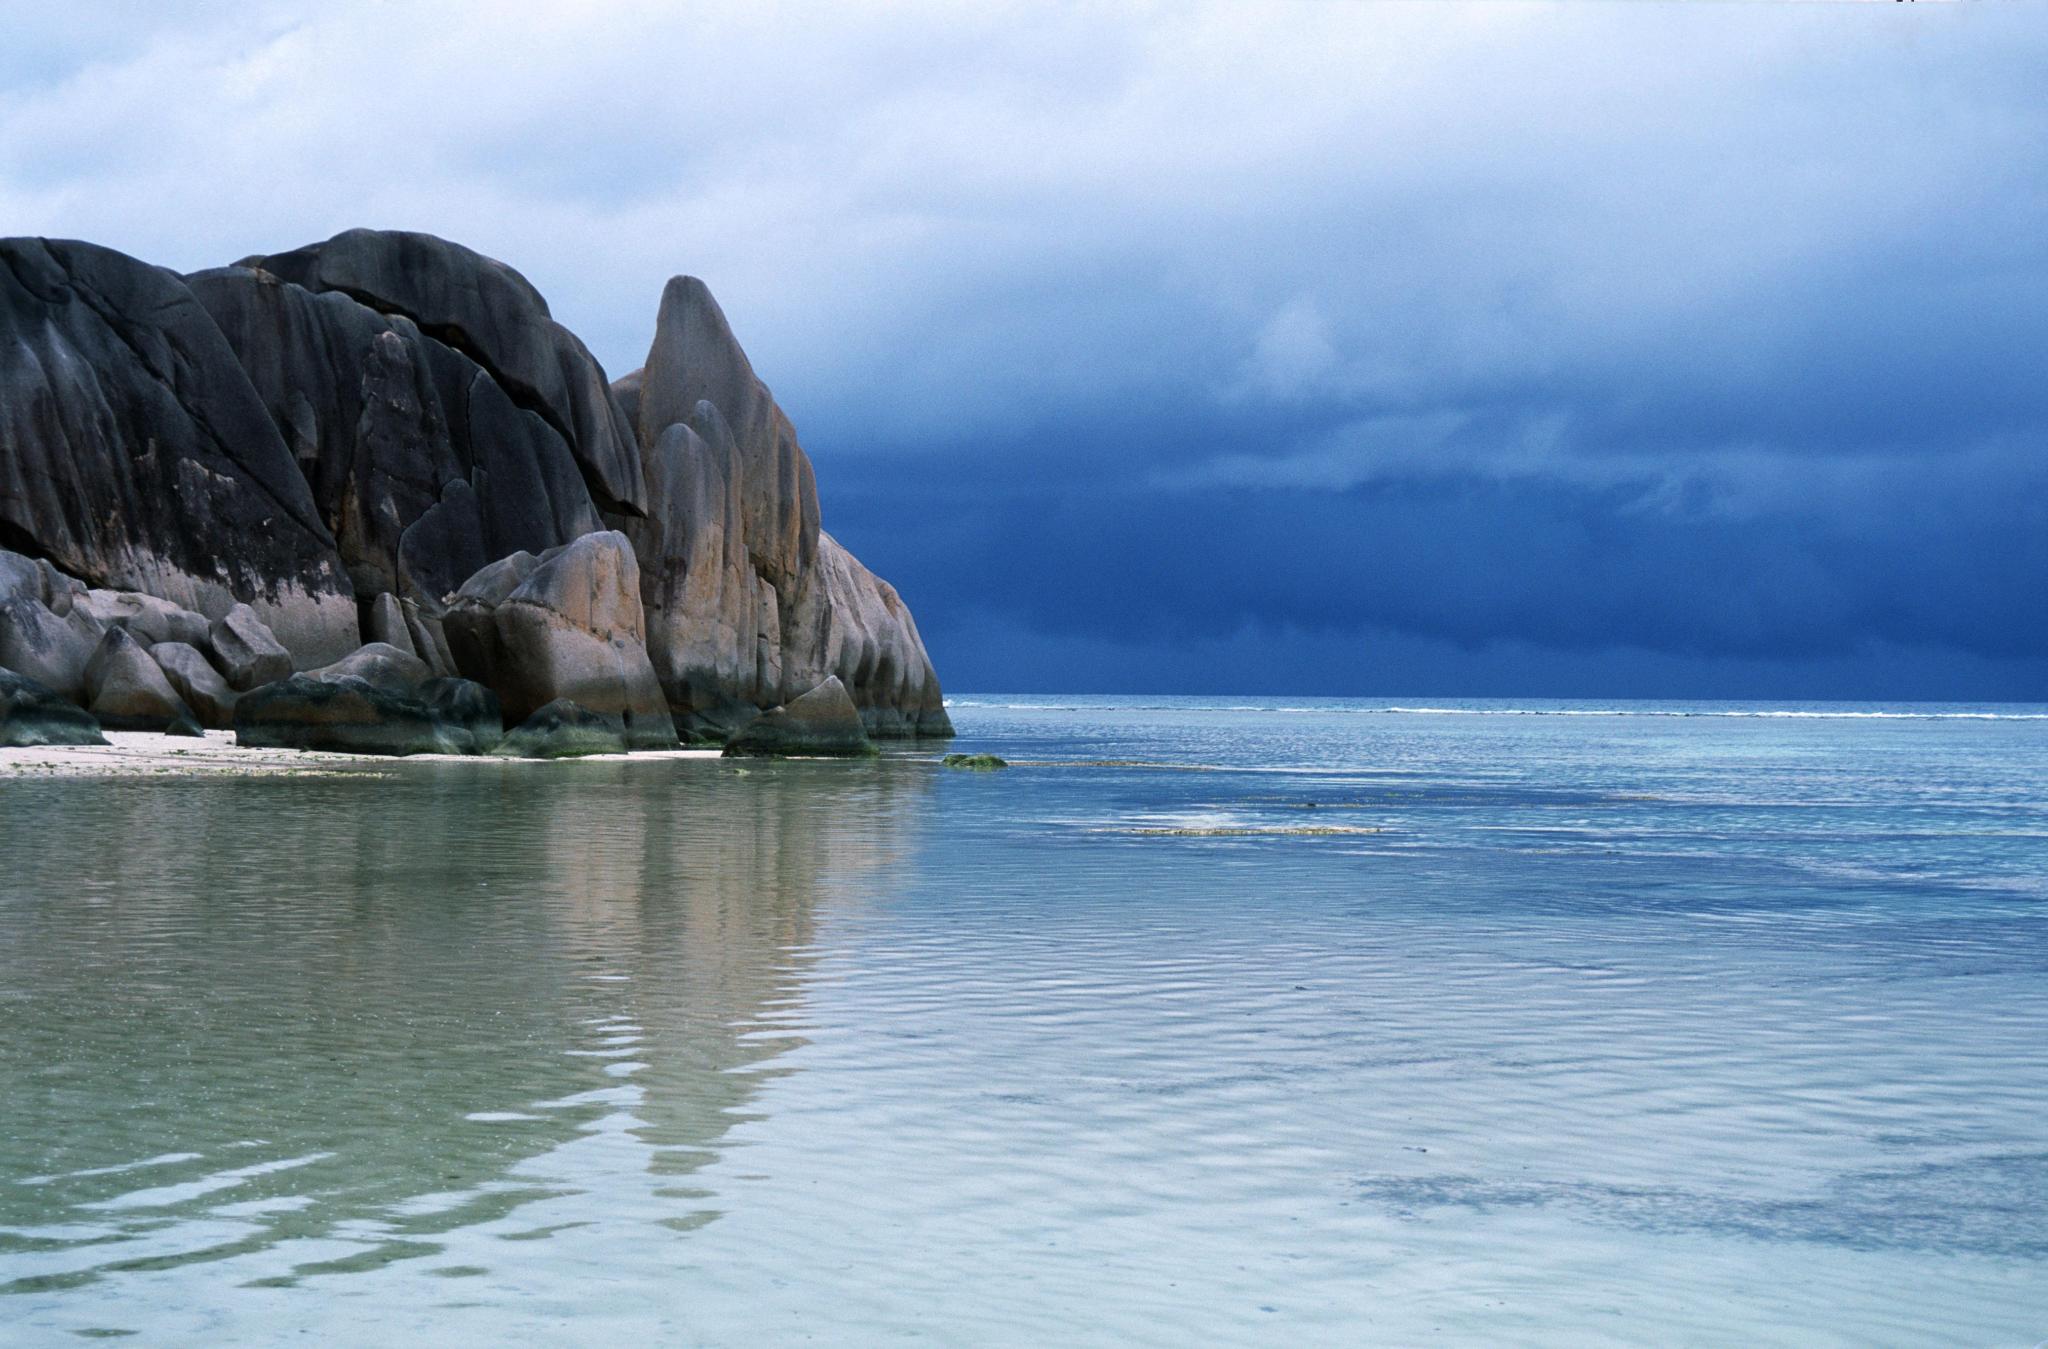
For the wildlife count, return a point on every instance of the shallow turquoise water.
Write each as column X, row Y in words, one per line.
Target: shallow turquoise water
column 1619, row 1029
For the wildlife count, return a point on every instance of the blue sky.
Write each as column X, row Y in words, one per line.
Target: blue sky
column 1563, row 349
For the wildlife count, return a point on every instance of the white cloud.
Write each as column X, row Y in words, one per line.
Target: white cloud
column 929, row 221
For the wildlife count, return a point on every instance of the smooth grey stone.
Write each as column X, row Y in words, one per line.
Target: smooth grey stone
column 380, row 664
column 49, row 648
column 748, row 601
column 147, row 619
column 245, row 651
column 387, row 625
column 570, row 628
column 197, row 683
column 823, row 721
column 126, row 688
column 32, row 713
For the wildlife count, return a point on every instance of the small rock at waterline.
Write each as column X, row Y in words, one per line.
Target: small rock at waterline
column 975, row 763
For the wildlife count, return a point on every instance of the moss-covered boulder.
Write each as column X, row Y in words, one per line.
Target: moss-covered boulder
column 565, row 730
column 823, row 721
column 36, row 714
column 345, row 715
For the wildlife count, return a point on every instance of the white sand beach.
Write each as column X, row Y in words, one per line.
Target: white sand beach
column 149, row 754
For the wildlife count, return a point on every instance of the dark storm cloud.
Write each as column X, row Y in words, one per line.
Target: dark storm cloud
column 1491, row 346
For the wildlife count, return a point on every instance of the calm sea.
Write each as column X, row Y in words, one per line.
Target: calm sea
column 1266, row 1022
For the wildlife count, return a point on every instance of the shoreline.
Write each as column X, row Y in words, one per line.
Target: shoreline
column 152, row 754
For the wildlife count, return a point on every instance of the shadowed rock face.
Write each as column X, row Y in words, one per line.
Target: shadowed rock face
column 422, row 465
column 493, row 315
column 135, row 456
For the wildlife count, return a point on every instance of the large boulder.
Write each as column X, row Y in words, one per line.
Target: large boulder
column 494, row 316
column 135, row 455
column 126, row 688
column 246, row 651
column 564, row 625
column 823, row 721
column 343, row 715
column 48, row 647
column 145, row 617
column 565, row 730
column 196, row 682
column 385, row 666
column 748, row 601
column 33, row 713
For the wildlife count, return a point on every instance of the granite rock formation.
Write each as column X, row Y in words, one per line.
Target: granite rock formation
column 381, row 457
column 750, row 603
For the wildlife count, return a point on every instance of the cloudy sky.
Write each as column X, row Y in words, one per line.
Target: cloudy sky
column 1595, row 349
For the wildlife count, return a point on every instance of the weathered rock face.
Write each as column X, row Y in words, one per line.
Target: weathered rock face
column 565, row 625
column 748, row 601
column 421, row 463
column 144, row 617
column 823, row 721
column 135, row 455
column 32, row 713
column 493, row 315
column 52, row 649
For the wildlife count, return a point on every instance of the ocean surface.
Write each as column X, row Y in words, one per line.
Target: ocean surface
column 1208, row 1022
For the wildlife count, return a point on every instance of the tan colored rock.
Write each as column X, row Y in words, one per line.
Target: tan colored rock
column 565, row 625
column 748, row 602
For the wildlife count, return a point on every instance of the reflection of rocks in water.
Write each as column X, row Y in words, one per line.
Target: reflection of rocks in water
column 692, row 912
column 398, row 971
